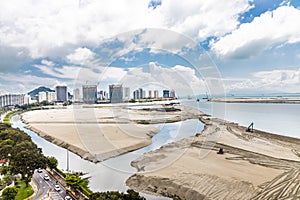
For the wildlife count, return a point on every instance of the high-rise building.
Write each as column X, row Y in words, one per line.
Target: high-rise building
column 12, row 99
column 61, row 93
column 126, row 93
column 150, row 94
column 166, row 93
column 46, row 96
column 27, row 99
column 155, row 93
column 172, row 94
column 116, row 93
column 42, row 97
column 89, row 94
column 51, row 96
column 135, row 94
column 141, row 93
column 77, row 95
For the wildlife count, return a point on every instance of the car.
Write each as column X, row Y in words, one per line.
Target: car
column 46, row 177
column 39, row 170
column 57, row 188
column 68, row 198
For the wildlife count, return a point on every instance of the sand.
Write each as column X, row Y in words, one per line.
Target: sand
column 256, row 165
column 98, row 133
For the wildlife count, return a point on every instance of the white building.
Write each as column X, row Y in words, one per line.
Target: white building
column 42, row 96
column 51, row 96
column 172, row 94
column 27, row 99
column 11, row 99
column 126, row 93
column 77, row 97
column 155, row 93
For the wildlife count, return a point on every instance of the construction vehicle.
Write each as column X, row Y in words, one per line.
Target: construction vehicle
column 250, row 127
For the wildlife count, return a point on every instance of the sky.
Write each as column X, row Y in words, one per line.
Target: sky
column 215, row 46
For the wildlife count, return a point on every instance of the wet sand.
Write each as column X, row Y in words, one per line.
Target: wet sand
column 255, row 165
column 97, row 133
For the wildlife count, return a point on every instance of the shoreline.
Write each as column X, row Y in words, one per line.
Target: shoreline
column 275, row 100
column 249, row 169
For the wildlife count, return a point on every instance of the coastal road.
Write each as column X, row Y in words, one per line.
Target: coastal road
column 46, row 187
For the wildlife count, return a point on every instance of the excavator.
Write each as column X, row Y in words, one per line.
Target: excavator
column 250, row 127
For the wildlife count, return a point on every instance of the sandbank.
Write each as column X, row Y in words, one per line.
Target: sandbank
column 255, row 165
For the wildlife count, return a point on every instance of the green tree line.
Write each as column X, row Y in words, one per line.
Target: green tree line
column 24, row 156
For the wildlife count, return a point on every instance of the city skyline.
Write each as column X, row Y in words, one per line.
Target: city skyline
column 89, row 94
column 257, row 50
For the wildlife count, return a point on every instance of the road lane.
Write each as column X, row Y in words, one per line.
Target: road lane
column 46, row 187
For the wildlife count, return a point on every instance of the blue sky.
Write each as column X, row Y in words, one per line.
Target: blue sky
column 220, row 46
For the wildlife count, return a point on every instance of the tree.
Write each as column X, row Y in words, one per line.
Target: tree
column 52, row 162
column 113, row 195
column 8, row 179
column 23, row 154
column 73, row 181
column 26, row 161
column 25, row 158
column 9, row 193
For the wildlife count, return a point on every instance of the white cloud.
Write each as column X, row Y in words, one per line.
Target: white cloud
column 268, row 81
column 81, row 56
column 65, row 72
column 25, row 83
column 180, row 78
column 43, row 26
column 200, row 19
column 271, row 28
column 48, row 63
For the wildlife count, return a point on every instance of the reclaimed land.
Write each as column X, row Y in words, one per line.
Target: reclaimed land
column 255, row 165
column 99, row 133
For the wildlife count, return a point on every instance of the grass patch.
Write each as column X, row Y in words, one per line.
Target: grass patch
column 7, row 117
column 23, row 191
column 86, row 190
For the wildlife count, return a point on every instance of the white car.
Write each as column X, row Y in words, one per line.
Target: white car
column 39, row 170
column 68, row 198
column 57, row 188
column 46, row 177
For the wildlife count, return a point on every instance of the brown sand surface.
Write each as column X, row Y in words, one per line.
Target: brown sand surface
column 98, row 133
column 256, row 165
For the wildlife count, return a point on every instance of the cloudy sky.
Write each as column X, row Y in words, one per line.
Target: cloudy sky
column 232, row 46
